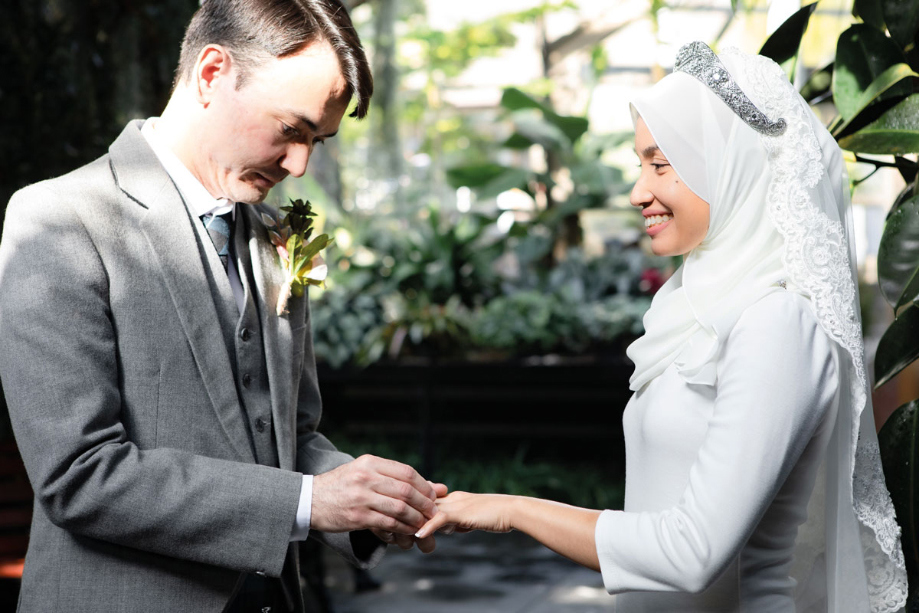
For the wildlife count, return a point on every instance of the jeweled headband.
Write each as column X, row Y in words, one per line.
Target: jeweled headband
column 698, row 60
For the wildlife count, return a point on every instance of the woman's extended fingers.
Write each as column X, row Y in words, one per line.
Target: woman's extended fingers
column 464, row 511
column 433, row 525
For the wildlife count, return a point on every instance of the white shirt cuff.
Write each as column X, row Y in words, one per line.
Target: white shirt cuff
column 304, row 510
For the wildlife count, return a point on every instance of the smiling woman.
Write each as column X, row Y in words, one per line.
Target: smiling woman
column 753, row 481
column 676, row 219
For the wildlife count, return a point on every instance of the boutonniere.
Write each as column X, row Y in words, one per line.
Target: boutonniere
column 299, row 253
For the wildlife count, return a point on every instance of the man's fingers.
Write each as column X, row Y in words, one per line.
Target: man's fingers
column 384, row 535
column 440, row 489
column 401, row 472
column 402, row 494
column 384, row 523
column 373, row 492
column 426, row 545
column 405, row 542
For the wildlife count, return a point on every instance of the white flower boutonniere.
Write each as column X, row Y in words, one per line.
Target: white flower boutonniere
column 291, row 235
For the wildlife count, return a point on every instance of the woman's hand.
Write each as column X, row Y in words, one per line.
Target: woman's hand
column 464, row 511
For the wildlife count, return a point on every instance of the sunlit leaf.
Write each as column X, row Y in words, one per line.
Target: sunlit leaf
column 294, row 243
column 862, row 54
column 885, row 81
column 898, row 347
column 315, row 246
column 268, row 220
column 895, row 132
column 784, row 43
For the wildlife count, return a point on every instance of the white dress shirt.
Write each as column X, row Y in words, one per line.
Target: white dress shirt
column 201, row 203
column 718, row 479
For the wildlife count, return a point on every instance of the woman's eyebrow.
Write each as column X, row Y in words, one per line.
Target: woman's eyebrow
column 650, row 151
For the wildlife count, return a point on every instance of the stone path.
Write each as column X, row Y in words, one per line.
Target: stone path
column 480, row 572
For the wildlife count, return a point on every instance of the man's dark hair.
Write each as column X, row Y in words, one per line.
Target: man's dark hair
column 254, row 31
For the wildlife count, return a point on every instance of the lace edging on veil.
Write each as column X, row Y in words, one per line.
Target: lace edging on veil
column 817, row 259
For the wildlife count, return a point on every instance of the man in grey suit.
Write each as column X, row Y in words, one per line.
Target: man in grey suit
column 165, row 412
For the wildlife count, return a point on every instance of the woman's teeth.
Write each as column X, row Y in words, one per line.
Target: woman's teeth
column 654, row 220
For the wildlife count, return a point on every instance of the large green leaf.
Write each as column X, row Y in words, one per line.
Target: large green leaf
column 887, row 80
column 899, row 443
column 475, row 175
column 537, row 129
column 514, row 99
column 902, row 19
column 870, row 12
column 573, row 127
column 902, row 198
column 818, row 84
column 786, row 40
column 907, row 168
column 513, row 177
column 895, row 132
column 862, row 54
column 517, row 141
column 898, row 255
column 898, row 347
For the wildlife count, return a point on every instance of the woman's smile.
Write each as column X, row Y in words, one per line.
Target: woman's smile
column 656, row 223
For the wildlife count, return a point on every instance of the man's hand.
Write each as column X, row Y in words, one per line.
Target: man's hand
column 374, row 493
column 426, row 544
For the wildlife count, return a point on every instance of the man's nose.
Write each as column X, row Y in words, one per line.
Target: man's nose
column 295, row 159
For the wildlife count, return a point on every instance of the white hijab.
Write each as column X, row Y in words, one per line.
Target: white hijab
column 779, row 217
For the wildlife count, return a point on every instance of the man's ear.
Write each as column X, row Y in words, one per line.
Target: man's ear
column 213, row 67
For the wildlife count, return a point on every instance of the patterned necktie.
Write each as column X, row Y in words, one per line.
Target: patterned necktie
column 219, row 228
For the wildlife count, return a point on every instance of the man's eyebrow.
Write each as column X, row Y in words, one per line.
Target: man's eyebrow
column 312, row 125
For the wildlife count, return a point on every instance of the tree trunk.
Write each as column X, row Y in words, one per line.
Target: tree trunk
column 385, row 118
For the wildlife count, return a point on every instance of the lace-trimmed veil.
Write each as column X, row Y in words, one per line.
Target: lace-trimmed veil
column 848, row 555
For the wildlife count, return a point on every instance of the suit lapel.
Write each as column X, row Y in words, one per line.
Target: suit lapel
column 268, row 277
column 171, row 235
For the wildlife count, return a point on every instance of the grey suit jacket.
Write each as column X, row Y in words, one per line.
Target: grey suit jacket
column 123, row 403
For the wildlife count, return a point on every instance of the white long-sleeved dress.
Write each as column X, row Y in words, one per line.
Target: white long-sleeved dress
column 718, row 478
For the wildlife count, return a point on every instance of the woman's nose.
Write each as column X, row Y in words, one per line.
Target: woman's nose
column 641, row 195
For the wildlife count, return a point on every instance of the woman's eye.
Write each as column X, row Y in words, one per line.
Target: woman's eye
column 657, row 167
